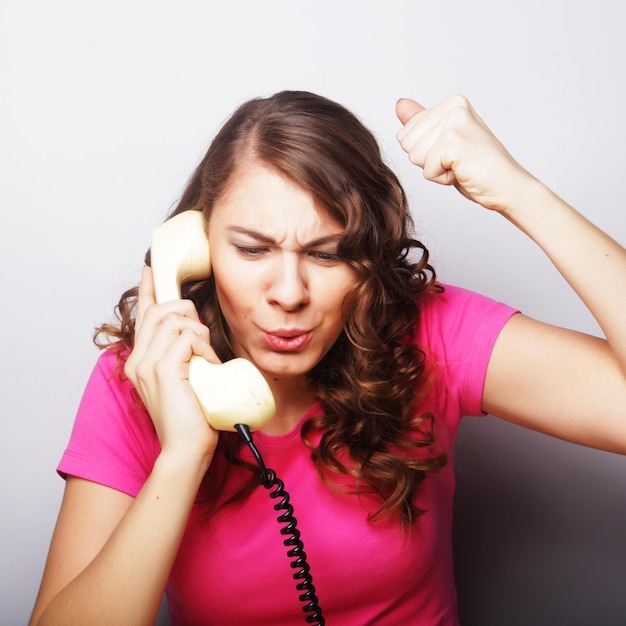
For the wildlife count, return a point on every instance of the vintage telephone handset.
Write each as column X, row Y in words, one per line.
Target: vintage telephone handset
column 234, row 396
column 231, row 393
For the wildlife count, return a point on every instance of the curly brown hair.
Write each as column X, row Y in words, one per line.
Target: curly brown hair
column 369, row 382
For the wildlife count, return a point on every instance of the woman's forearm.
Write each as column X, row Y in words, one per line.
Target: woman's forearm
column 592, row 262
column 124, row 584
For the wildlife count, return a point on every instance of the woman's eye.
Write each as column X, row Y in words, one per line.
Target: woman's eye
column 250, row 250
column 325, row 257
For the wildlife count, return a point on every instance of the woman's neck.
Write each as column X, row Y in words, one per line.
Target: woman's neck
column 293, row 398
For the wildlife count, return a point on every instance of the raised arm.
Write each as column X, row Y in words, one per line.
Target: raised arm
column 111, row 554
column 557, row 381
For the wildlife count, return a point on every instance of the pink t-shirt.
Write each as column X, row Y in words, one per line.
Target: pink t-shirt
column 234, row 570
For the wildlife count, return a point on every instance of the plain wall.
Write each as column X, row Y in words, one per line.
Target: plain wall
column 105, row 109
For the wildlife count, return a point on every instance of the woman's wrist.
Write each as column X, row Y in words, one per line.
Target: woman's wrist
column 528, row 203
column 185, row 465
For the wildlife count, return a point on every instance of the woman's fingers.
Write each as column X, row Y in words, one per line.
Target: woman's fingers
column 166, row 336
column 453, row 146
column 145, row 296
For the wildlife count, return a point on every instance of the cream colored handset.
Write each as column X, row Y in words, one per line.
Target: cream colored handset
column 231, row 393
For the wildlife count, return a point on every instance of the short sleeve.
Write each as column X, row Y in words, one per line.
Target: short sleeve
column 457, row 331
column 113, row 441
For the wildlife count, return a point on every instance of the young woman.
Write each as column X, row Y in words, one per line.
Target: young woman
column 318, row 281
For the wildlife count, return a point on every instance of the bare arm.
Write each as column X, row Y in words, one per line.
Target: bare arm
column 111, row 555
column 556, row 381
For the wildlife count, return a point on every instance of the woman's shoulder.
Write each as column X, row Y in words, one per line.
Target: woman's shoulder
column 451, row 306
column 445, row 295
column 111, row 360
column 456, row 331
column 456, row 323
column 113, row 441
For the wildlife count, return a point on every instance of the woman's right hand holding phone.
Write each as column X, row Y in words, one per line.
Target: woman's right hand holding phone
column 167, row 335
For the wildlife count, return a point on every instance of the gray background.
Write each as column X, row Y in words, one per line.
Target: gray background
column 105, row 108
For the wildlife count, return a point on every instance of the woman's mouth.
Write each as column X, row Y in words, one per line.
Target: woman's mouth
column 287, row 340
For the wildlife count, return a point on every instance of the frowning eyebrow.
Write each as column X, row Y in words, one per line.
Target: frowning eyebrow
column 262, row 238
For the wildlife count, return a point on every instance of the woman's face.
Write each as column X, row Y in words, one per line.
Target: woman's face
column 280, row 285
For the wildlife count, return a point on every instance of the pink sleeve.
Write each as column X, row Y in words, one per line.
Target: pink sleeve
column 113, row 441
column 458, row 330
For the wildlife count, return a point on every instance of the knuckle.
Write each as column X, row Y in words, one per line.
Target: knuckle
column 160, row 369
column 129, row 367
column 188, row 334
column 452, row 136
column 415, row 158
column 171, row 321
column 141, row 371
column 457, row 101
column 149, row 312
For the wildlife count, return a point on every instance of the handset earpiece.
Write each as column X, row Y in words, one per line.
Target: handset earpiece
column 179, row 253
column 234, row 392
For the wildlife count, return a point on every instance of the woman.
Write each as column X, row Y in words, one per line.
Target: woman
column 371, row 363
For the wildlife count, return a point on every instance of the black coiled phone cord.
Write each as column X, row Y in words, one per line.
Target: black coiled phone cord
column 302, row 575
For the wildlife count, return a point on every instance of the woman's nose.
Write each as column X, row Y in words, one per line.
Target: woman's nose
column 289, row 284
